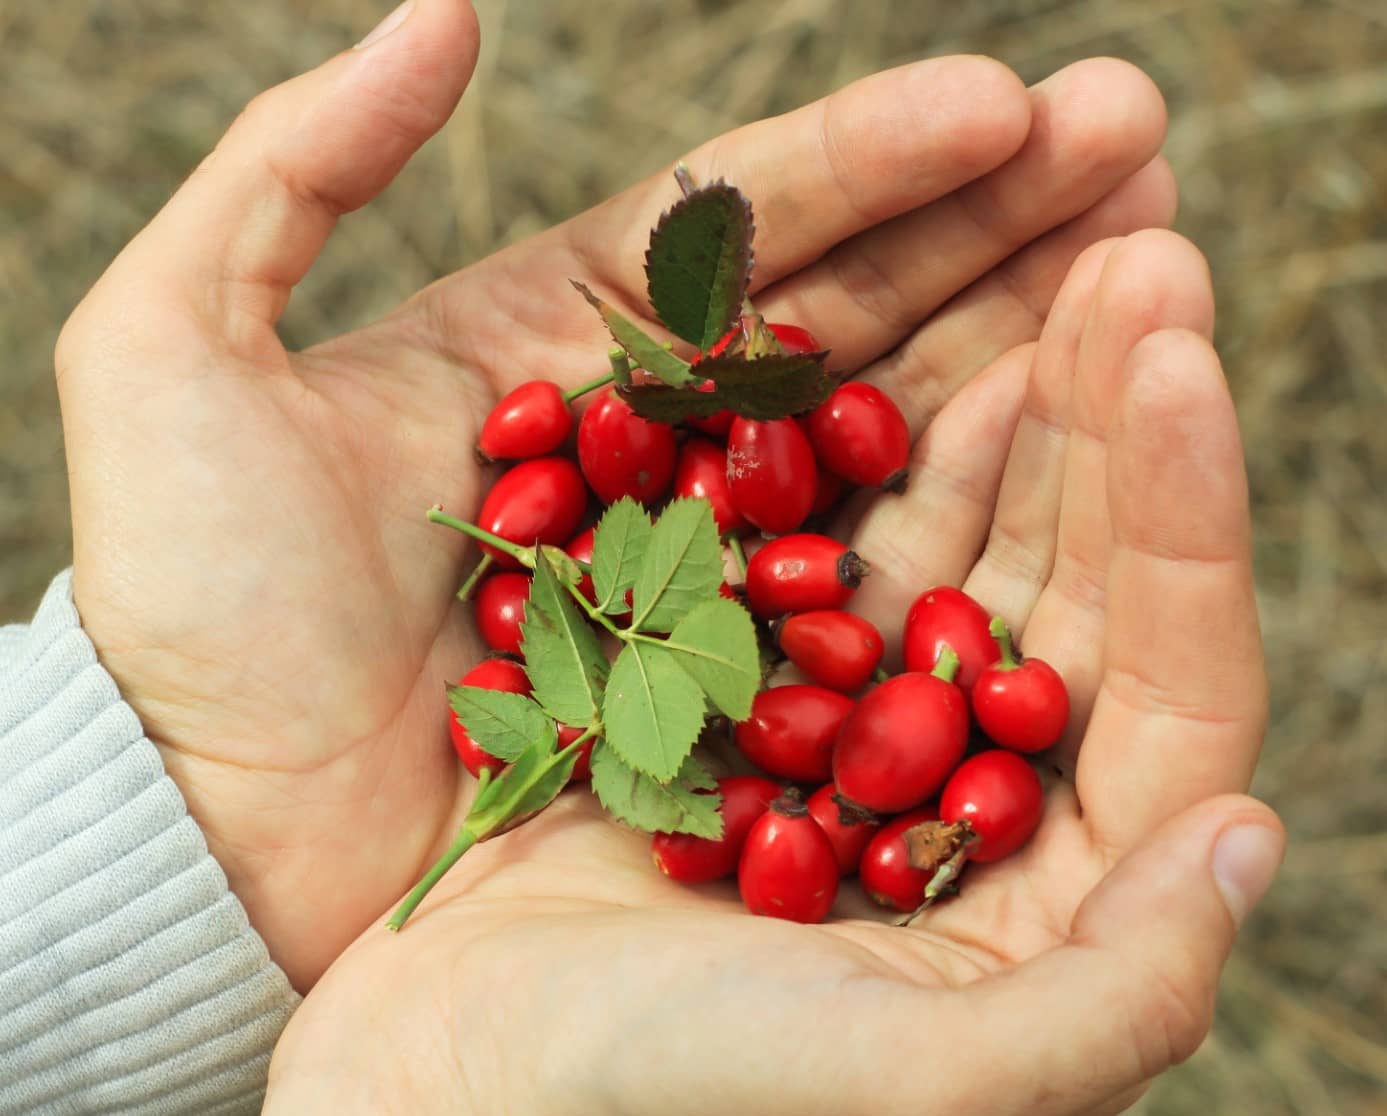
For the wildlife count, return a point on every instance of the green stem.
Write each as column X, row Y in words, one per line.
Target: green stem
column 465, row 840
column 593, row 612
column 579, row 741
column 879, row 675
column 525, row 555
column 478, row 572
column 947, row 665
column 621, row 365
column 1002, row 634
column 734, row 544
column 591, row 385
column 683, row 176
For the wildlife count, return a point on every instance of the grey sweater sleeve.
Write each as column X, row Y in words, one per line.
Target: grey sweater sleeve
column 130, row 979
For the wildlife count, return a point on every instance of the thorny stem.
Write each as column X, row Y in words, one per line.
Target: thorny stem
column 479, row 571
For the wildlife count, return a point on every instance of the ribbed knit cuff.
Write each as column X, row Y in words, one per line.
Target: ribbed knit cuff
column 130, row 979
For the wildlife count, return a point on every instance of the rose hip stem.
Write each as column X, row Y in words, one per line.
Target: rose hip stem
column 591, row 385
column 479, row 571
column 734, row 544
column 522, row 554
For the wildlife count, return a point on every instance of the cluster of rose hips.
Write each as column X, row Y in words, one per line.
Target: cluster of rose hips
column 877, row 761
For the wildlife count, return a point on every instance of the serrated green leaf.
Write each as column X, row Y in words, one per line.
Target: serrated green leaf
column 673, row 807
column 644, row 351
column 698, row 266
column 503, row 724
column 524, row 788
column 762, row 388
column 682, row 567
column 563, row 659
column 716, row 645
column 652, row 711
column 618, row 548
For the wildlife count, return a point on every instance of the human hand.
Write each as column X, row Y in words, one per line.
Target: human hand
column 251, row 558
column 1091, row 489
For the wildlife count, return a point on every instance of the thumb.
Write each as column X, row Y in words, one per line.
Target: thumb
column 1131, row 992
column 231, row 244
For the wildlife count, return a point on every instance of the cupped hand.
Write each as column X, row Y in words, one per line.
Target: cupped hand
column 251, row 558
column 1091, row 489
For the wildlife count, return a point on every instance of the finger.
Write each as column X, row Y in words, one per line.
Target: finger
column 230, row 245
column 1020, row 549
column 1153, row 280
column 1093, row 125
column 932, row 533
column 1008, row 306
column 1183, row 702
column 1131, row 992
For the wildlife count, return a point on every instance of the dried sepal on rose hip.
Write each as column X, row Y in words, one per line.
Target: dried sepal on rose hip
column 802, row 573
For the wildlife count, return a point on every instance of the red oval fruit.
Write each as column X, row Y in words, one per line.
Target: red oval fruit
column 791, row 731
column 690, row 859
column 788, row 868
column 489, row 674
column 622, row 454
column 582, row 769
column 702, row 474
column 847, row 833
column 885, row 868
column 826, row 493
column 944, row 615
column 860, row 434
column 771, row 473
column 1021, row 704
column 802, row 573
column 529, row 421
column 793, row 339
column 900, row 743
column 500, row 607
column 579, row 548
column 999, row 795
column 836, row 649
column 541, row 500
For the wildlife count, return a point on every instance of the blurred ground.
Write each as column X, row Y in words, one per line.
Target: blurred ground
column 1278, row 135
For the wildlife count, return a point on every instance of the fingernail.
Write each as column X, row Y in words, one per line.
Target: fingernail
column 387, row 25
column 1246, row 858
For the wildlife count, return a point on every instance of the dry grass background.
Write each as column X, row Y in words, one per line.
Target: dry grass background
column 1278, row 135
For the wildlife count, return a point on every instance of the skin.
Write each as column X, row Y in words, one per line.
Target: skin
column 252, row 563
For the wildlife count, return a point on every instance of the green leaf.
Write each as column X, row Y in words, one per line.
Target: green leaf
column 763, row 388
column 638, row 800
column 716, row 645
column 563, row 659
column 643, row 349
column 699, row 263
column 682, row 567
column 503, row 724
column 526, row 787
column 652, row 711
column 618, row 548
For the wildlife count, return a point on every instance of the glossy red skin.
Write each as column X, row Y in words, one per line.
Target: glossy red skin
column 944, row 615
column 791, row 731
column 796, row 573
column 901, row 742
column 701, row 473
column 793, row 339
column 788, row 868
column 771, row 473
column 541, row 500
column 1025, row 708
column 622, row 454
column 859, row 433
column 690, row 859
column 836, row 649
column 489, row 674
column 849, row 841
column 885, row 868
column 500, row 607
column 583, row 768
column 1000, row 794
column 826, row 494
column 530, row 421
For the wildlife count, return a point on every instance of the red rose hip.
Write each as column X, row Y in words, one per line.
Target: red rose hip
column 885, row 869
column 944, row 616
column 861, row 435
column 530, row 421
column 788, row 868
column 500, row 607
column 541, row 500
column 846, row 832
column 622, row 454
column 802, row 573
column 690, row 859
column 771, row 473
column 900, row 743
column 791, row 731
column 1021, row 704
column 836, row 649
column 701, row 473
column 999, row 795
column 490, row 674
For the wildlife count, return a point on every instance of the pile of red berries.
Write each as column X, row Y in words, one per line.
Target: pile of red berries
column 873, row 765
